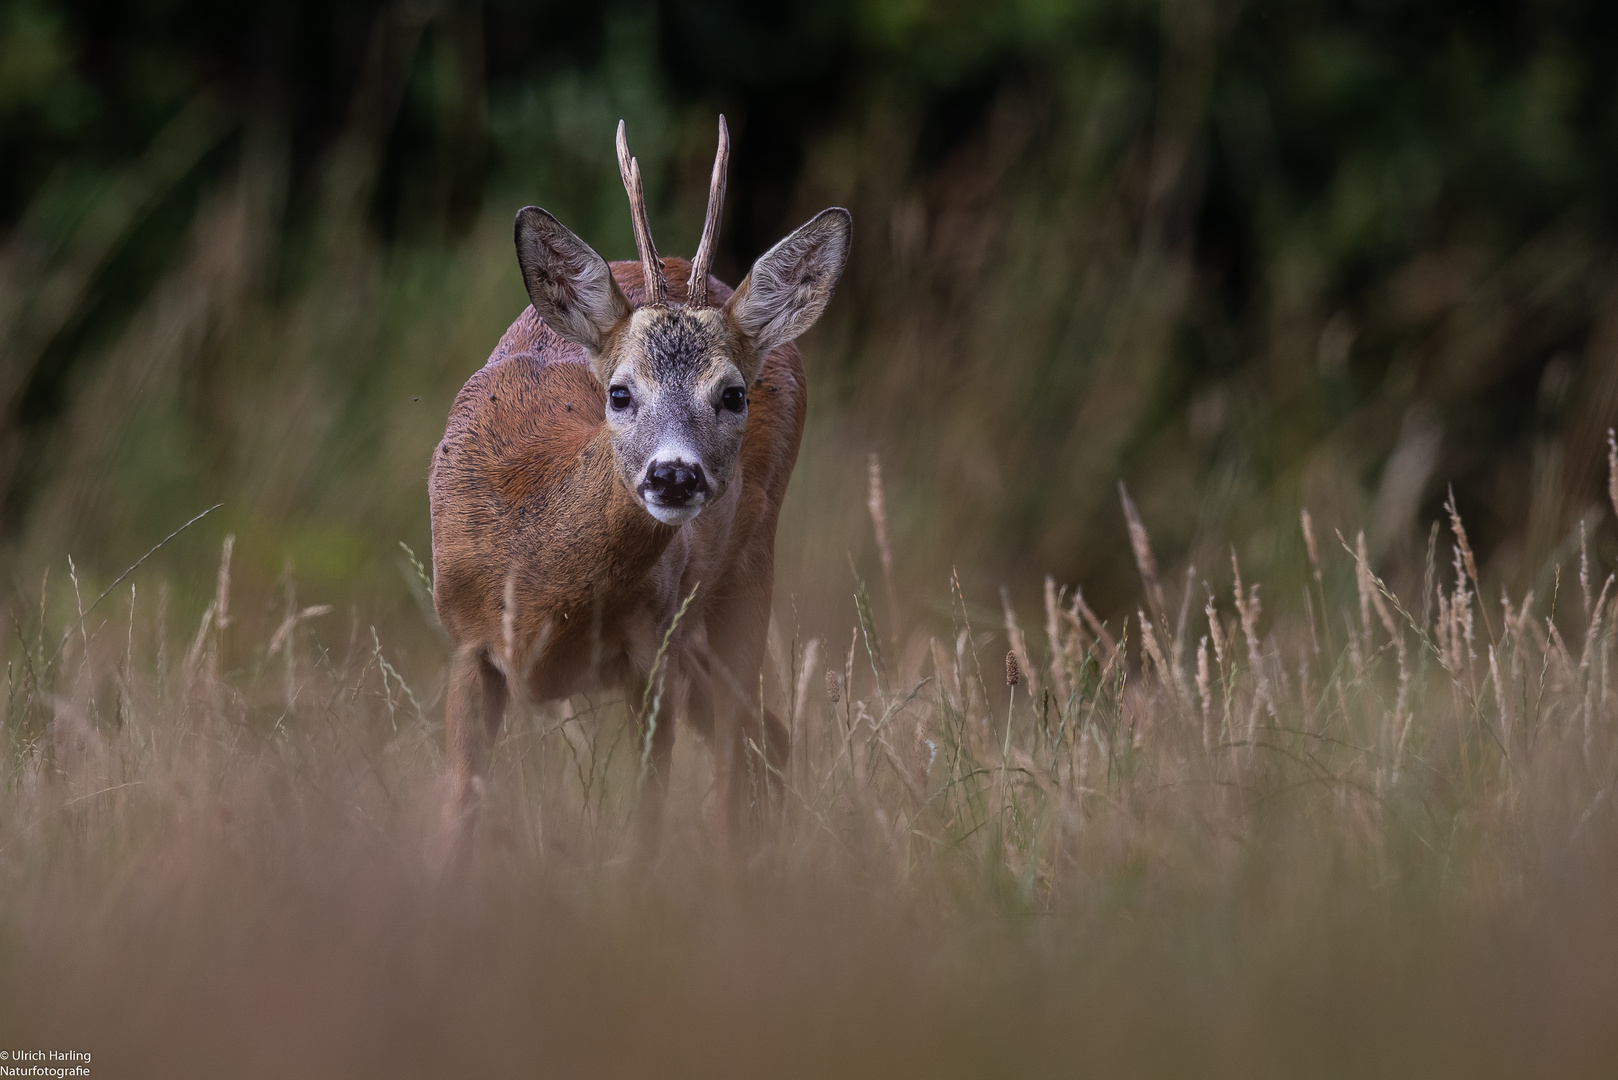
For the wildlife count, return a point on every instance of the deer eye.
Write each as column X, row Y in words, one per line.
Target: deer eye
column 618, row 397
column 734, row 398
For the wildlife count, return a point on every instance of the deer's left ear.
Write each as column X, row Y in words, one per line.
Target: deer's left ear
column 570, row 285
column 791, row 284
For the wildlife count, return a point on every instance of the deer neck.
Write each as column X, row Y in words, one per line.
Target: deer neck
column 623, row 540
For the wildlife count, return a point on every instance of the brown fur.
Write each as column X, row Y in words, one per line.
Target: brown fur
column 550, row 577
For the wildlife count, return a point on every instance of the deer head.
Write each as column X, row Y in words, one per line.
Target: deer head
column 677, row 372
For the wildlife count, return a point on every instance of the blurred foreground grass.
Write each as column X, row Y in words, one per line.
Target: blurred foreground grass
column 1374, row 840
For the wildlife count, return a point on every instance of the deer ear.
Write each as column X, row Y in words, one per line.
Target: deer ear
column 569, row 284
column 791, row 284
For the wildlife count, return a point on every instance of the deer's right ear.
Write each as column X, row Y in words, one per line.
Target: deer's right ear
column 570, row 285
column 791, row 283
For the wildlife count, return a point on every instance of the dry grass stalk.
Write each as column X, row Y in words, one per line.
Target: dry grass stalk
column 1592, row 645
column 1059, row 682
column 1306, row 523
column 1082, row 610
column 1584, row 565
column 1465, row 548
column 1168, row 676
column 1362, row 584
column 1501, row 701
column 1372, row 588
column 1205, row 693
column 1248, row 608
column 84, row 631
column 807, row 666
column 949, row 681
column 1141, row 544
column 848, row 675
column 1018, row 641
column 1216, row 630
column 202, row 658
column 876, row 502
column 1612, row 471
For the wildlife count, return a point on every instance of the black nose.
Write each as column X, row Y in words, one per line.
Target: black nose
column 675, row 483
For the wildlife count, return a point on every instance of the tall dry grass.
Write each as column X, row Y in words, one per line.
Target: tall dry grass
column 1377, row 839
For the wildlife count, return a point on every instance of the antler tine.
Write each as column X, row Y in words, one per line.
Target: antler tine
column 700, row 265
column 651, row 266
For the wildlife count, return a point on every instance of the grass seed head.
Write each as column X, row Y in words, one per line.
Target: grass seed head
column 1308, row 526
column 1612, row 470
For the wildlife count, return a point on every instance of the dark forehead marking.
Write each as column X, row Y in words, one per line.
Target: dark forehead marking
column 677, row 344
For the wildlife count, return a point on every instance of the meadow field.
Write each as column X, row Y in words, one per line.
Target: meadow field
column 1378, row 841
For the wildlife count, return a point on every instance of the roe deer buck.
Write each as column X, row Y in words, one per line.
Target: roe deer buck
column 625, row 449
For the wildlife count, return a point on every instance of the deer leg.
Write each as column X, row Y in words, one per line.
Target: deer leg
column 473, row 711
column 750, row 744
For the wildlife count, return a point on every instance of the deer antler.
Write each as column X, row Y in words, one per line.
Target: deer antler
column 698, row 288
column 651, row 266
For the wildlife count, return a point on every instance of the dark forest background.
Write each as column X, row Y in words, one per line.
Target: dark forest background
column 1245, row 257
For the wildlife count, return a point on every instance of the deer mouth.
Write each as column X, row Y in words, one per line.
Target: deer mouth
column 673, row 515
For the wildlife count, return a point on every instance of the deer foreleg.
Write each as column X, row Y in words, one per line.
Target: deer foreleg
column 750, row 743
column 473, row 711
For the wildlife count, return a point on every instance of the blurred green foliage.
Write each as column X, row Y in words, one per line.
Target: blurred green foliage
column 1241, row 255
